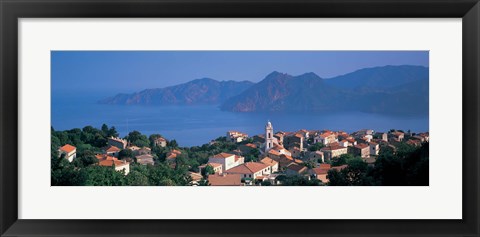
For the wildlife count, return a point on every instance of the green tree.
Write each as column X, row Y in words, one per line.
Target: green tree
column 252, row 155
column 138, row 139
column 342, row 159
column 112, row 132
column 105, row 130
column 136, row 178
column 173, row 144
column 316, row 147
column 335, row 178
column 85, row 158
column 104, row 176
column 203, row 182
column 207, row 171
column 126, row 153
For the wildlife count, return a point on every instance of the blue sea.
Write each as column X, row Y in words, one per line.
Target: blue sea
column 197, row 125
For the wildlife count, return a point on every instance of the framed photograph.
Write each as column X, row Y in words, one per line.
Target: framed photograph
column 175, row 118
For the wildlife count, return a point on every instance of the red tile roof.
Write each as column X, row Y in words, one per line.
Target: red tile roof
column 214, row 165
column 223, row 155
column 269, row 161
column 112, row 149
column 67, row 148
column 333, row 147
column 326, row 134
column 296, row 167
column 247, row 168
column 325, row 166
column 106, row 160
column 237, row 157
column 298, row 135
column 397, row 133
column 273, row 152
column 361, row 146
column 225, row 180
column 319, row 171
column 161, row 139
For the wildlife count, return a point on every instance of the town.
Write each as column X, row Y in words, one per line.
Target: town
column 294, row 158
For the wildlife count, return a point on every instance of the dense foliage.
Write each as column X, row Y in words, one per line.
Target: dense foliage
column 90, row 141
column 407, row 166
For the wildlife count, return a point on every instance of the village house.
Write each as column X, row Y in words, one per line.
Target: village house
column 145, row 159
column 296, row 152
column 281, row 150
column 217, row 167
column 295, row 140
column 225, row 180
column 305, row 133
column 397, row 136
column 140, row 151
column 326, row 138
column 316, row 156
column 235, row 136
column 172, row 156
column 279, row 136
column 134, row 149
column 109, row 161
column 420, row 138
column 414, row 142
column 342, row 135
column 271, row 163
column 144, row 151
column 381, row 135
column 374, row 148
column 344, row 143
column 321, row 172
column 112, row 151
column 274, row 154
column 325, row 166
column 425, row 136
column 362, row 150
column 160, row 141
column 250, row 170
column 351, row 141
column 69, row 152
column 294, row 169
column 196, row 177
column 118, row 142
column 363, row 132
column 282, row 159
column 227, row 160
column 330, row 152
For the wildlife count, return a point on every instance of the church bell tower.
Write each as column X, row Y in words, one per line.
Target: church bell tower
column 268, row 136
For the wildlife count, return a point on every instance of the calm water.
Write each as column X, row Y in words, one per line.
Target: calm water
column 197, row 125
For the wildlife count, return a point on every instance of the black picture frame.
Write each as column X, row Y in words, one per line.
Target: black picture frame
column 11, row 11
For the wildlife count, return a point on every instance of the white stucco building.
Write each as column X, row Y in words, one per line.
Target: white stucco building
column 69, row 151
column 227, row 160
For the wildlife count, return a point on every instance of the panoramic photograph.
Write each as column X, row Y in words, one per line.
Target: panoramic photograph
column 240, row 118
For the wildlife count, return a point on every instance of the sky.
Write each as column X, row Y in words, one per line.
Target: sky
column 112, row 72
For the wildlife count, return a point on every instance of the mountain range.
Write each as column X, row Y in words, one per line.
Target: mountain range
column 398, row 90
column 199, row 91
